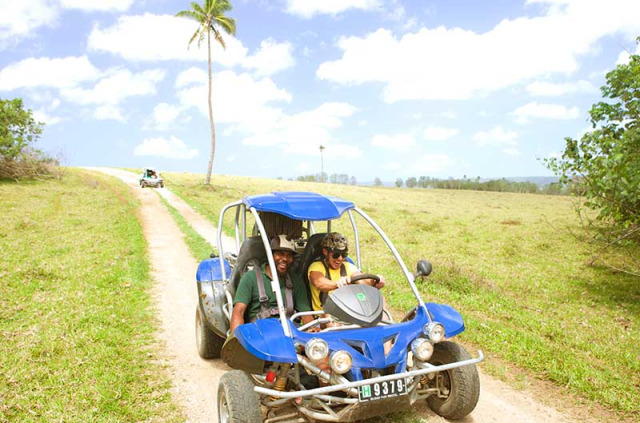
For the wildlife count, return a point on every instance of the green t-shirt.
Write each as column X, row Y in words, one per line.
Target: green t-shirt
column 247, row 293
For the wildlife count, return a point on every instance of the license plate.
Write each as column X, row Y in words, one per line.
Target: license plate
column 382, row 390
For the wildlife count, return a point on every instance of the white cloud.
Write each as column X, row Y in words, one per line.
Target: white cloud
column 108, row 112
column 398, row 142
column 524, row 113
column 44, row 72
column 151, row 37
column 97, row 5
column 271, row 58
column 437, row 133
column 514, row 52
column 557, row 89
column 246, row 105
column 191, row 76
column 19, row 19
column 237, row 97
column 172, row 148
column 308, row 8
column 117, row 85
column 432, row 163
column 304, row 132
column 164, row 117
column 496, row 136
column 46, row 118
column 111, row 90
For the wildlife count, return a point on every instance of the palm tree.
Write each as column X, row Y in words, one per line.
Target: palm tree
column 211, row 18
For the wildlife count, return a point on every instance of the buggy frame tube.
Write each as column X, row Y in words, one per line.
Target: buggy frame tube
column 275, row 281
column 220, row 245
column 409, row 276
column 356, row 238
column 235, row 225
column 358, row 383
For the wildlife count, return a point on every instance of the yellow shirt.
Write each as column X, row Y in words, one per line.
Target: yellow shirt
column 334, row 275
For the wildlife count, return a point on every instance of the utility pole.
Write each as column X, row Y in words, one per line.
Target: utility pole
column 321, row 163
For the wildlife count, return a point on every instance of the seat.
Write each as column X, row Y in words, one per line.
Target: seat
column 312, row 252
column 251, row 252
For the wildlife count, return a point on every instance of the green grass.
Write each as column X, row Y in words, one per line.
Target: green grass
column 198, row 246
column 76, row 318
column 509, row 262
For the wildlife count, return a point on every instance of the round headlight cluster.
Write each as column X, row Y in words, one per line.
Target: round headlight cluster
column 422, row 349
column 434, row 331
column 316, row 349
column 340, row 362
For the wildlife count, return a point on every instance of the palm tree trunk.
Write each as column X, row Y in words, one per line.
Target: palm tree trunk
column 213, row 130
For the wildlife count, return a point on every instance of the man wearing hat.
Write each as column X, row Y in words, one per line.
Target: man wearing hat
column 256, row 284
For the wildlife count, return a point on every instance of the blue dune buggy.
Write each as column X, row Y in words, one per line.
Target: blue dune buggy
column 276, row 377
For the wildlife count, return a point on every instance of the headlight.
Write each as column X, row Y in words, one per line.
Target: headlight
column 316, row 349
column 422, row 349
column 340, row 362
column 434, row 331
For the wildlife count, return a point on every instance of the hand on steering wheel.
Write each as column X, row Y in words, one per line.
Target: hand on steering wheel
column 378, row 281
column 343, row 281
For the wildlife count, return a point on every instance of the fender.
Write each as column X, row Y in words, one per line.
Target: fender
column 211, row 294
column 448, row 316
column 266, row 340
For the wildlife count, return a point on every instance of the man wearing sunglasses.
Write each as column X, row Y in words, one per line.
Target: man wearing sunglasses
column 333, row 271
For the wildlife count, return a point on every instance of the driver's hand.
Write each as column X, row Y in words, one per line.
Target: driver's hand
column 380, row 284
column 343, row 281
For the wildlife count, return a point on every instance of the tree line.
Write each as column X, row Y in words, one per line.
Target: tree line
column 495, row 185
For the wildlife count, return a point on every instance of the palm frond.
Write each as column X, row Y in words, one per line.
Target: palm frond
column 218, row 37
column 223, row 6
column 195, row 6
column 195, row 34
column 227, row 23
column 188, row 14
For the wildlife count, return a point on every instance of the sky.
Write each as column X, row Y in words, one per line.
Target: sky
column 390, row 88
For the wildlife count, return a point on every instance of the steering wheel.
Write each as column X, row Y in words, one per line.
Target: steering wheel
column 365, row 276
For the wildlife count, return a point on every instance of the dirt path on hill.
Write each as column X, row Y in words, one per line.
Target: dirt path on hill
column 195, row 381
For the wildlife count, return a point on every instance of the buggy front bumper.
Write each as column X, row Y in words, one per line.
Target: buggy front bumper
column 356, row 384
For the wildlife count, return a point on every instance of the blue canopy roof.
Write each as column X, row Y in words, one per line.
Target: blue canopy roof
column 299, row 205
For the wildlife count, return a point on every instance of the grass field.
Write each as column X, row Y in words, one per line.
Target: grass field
column 511, row 263
column 76, row 321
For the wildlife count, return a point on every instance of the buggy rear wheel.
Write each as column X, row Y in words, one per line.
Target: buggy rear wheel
column 237, row 401
column 460, row 386
column 208, row 342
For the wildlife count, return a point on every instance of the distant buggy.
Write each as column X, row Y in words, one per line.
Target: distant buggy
column 276, row 374
column 151, row 178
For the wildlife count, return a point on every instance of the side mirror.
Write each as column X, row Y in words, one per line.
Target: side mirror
column 424, row 268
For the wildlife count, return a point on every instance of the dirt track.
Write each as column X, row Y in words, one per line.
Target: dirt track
column 195, row 380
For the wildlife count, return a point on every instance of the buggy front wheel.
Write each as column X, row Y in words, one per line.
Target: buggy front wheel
column 459, row 387
column 237, row 401
column 208, row 342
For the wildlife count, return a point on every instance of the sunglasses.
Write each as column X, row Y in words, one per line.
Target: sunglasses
column 337, row 253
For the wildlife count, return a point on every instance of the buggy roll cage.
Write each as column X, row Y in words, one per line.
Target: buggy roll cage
column 306, row 207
